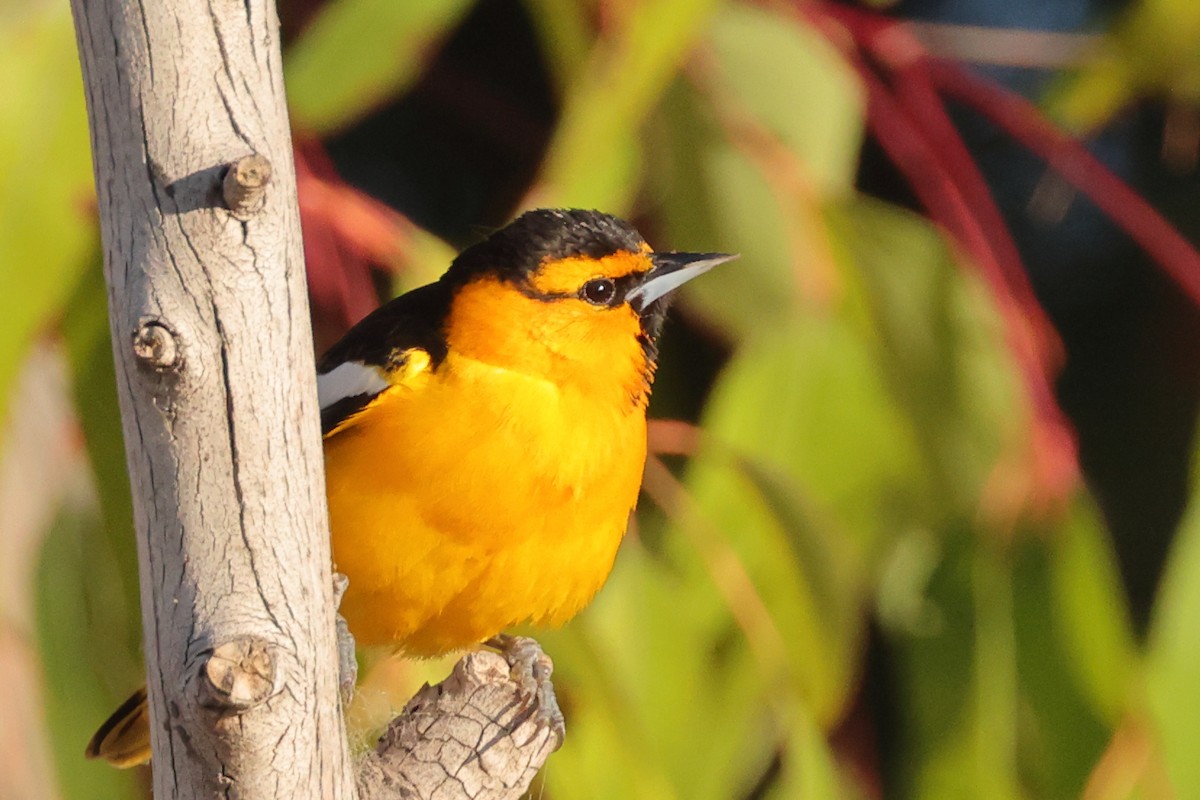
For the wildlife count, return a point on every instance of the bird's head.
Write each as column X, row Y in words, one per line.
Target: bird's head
column 575, row 296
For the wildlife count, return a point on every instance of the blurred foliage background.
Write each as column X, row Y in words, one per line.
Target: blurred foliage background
column 919, row 520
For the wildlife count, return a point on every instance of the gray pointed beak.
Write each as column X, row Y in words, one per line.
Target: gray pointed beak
column 670, row 271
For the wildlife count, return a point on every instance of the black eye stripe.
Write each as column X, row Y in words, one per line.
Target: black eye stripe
column 626, row 284
column 621, row 287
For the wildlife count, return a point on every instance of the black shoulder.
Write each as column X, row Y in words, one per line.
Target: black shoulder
column 414, row 320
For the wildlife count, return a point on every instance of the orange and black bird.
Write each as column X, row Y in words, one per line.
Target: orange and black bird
column 485, row 437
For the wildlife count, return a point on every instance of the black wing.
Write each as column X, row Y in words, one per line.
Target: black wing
column 414, row 320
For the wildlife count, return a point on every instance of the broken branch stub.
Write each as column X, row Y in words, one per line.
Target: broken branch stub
column 474, row 735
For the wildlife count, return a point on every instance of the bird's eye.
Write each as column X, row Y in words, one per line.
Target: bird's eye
column 599, row 292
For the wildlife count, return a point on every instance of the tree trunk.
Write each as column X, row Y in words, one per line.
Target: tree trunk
column 210, row 329
column 214, row 358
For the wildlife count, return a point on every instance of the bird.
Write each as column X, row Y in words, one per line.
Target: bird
column 484, row 439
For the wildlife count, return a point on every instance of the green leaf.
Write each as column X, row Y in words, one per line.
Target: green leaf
column 46, row 224
column 76, row 655
column 958, row 705
column 934, row 666
column 89, row 354
column 1060, row 660
column 1173, row 652
column 718, row 187
column 994, row 701
column 774, row 67
column 1091, row 611
column 565, row 32
column 713, row 198
column 594, row 159
column 356, row 54
column 809, row 767
column 1150, row 51
column 641, row 671
column 805, row 498
column 939, row 344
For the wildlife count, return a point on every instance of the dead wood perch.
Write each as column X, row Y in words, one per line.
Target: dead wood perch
column 475, row 735
column 209, row 318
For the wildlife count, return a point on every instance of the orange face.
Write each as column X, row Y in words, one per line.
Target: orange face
column 566, row 322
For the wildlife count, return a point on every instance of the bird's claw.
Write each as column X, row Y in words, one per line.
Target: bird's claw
column 531, row 669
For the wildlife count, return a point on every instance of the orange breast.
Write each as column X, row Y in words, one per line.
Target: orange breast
column 475, row 499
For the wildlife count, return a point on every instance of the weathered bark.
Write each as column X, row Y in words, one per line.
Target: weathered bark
column 478, row 734
column 209, row 320
column 209, row 315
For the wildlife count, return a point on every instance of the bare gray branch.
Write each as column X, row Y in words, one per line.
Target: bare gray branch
column 209, row 317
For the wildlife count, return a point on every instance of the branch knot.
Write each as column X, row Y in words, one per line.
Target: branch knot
column 154, row 346
column 244, row 187
column 239, row 675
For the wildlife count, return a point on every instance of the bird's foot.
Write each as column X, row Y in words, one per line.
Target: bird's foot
column 347, row 659
column 531, row 668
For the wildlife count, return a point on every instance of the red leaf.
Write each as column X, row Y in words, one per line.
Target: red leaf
column 347, row 236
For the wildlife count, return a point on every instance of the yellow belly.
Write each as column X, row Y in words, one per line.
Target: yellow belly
column 476, row 500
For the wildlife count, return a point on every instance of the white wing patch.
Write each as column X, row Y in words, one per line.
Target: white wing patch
column 348, row 379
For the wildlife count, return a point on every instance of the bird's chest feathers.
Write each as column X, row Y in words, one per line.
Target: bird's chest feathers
column 565, row 437
column 494, row 453
column 555, row 390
